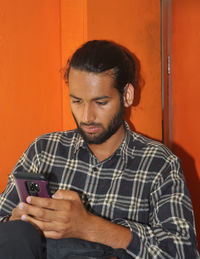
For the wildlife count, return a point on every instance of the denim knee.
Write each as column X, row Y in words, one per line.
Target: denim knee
column 19, row 238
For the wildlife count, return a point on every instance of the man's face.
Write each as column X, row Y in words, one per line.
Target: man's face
column 96, row 105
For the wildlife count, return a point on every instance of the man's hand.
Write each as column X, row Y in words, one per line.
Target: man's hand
column 62, row 216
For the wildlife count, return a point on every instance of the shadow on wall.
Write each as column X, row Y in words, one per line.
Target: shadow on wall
column 193, row 182
column 138, row 87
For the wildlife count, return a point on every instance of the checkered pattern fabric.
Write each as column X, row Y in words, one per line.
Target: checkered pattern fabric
column 141, row 186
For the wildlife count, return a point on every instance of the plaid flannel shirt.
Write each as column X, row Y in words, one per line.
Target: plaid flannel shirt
column 141, row 186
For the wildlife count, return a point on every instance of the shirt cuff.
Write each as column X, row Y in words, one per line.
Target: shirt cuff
column 134, row 246
column 5, row 218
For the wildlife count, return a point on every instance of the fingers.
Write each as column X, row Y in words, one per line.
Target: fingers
column 51, row 204
column 66, row 195
column 40, row 208
column 47, row 209
column 43, row 213
column 16, row 214
column 35, row 212
column 56, row 218
column 51, row 229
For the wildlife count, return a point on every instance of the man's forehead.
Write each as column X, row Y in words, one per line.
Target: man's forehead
column 89, row 85
column 89, row 80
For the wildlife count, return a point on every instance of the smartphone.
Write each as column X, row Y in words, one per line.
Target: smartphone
column 31, row 184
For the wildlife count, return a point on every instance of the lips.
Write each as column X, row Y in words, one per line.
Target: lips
column 90, row 129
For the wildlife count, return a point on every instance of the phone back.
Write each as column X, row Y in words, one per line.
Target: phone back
column 31, row 184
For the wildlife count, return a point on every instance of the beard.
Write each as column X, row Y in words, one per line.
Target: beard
column 114, row 124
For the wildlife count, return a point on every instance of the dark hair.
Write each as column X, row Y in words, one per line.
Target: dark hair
column 98, row 56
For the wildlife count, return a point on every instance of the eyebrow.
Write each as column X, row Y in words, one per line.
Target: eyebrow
column 94, row 99
column 101, row 98
column 73, row 96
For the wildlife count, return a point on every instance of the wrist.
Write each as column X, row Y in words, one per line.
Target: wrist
column 89, row 228
column 103, row 231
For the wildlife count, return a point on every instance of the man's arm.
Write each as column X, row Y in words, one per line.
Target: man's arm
column 171, row 231
column 108, row 233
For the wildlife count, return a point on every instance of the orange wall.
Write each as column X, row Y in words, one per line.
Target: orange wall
column 186, row 94
column 74, row 33
column 37, row 38
column 30, row 92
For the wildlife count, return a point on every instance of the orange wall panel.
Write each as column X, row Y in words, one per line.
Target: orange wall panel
column 30, row 92
column 186, row 94
column 74, row 33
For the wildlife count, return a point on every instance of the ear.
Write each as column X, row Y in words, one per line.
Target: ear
column 128, row 95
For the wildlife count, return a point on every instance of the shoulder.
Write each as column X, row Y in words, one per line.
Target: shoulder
column 156, row 159
column 65, row 138
column 142, row 142
column 58, row 135
column 139, row 143
column 151, row 150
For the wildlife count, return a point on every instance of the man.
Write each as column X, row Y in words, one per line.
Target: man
column 140, row 206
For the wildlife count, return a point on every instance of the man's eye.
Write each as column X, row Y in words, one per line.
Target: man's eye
column 101, row 103
column 76, row 101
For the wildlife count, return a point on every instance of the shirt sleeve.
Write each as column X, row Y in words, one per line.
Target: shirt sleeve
column 28, row 162
column 171, row 231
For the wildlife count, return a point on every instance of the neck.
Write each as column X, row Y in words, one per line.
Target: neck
column 106, row 149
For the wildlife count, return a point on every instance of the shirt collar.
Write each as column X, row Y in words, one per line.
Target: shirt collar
column 79, row 142
column 121, row 150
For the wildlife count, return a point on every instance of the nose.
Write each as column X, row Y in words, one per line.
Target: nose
column 88, row 114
